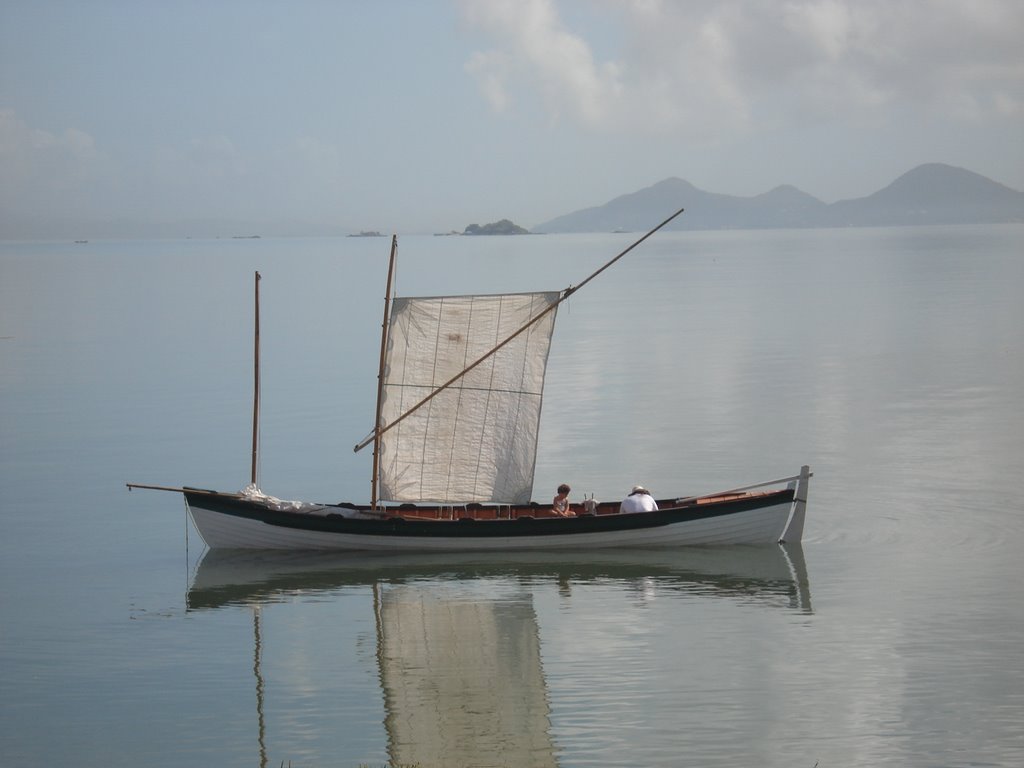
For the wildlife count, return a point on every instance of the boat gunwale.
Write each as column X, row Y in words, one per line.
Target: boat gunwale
column 325, row 521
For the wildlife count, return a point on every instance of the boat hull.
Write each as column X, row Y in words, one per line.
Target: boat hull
column 229, row 521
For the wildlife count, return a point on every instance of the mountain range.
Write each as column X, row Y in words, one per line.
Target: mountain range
column 933, row 193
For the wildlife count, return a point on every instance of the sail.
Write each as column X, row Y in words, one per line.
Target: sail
column 476, row 440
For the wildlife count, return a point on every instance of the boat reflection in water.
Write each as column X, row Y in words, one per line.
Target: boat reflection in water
column 458, row 642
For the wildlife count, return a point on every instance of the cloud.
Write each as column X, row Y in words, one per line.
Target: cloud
column 202, row 161
column 66, row 174
column 491, row 71
column 536, row 48
column 35, row 161
column 710, row 66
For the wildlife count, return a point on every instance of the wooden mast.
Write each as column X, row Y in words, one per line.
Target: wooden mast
column 378, row 430
column 256, row 383
column 380, row 373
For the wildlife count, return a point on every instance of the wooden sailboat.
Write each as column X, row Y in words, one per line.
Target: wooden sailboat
column 459, row 395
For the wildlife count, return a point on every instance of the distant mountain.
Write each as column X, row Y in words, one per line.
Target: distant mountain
column 929, row 194
column 932, row 194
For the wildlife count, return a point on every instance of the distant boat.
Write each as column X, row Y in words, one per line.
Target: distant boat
column 454, row 451
column 367, row 233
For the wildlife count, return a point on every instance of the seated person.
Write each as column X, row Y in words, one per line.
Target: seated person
column 639, row 500
column 560, row 504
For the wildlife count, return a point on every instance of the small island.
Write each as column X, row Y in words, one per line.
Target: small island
column 503, row 227
column 368, row 233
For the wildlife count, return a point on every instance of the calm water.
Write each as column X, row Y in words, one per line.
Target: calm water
column 891, row 360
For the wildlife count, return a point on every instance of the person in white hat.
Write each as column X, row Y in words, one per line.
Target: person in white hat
column 639, row 500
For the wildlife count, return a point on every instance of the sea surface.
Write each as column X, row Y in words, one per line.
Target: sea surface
column 889, row 360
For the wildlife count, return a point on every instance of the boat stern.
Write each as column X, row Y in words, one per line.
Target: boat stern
column 794, row 530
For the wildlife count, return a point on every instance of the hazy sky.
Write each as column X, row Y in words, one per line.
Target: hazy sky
column 427, row 116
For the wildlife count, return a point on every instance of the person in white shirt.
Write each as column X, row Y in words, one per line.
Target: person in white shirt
column 639, row 500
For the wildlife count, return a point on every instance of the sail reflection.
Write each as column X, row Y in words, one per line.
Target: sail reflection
column 462, row 678
column 458, row 645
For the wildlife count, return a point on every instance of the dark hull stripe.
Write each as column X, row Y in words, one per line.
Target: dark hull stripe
column 465, row 528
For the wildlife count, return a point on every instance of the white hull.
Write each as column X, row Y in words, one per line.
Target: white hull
column 755, row 527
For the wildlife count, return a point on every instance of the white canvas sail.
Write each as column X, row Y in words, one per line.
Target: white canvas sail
column 477, row 439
